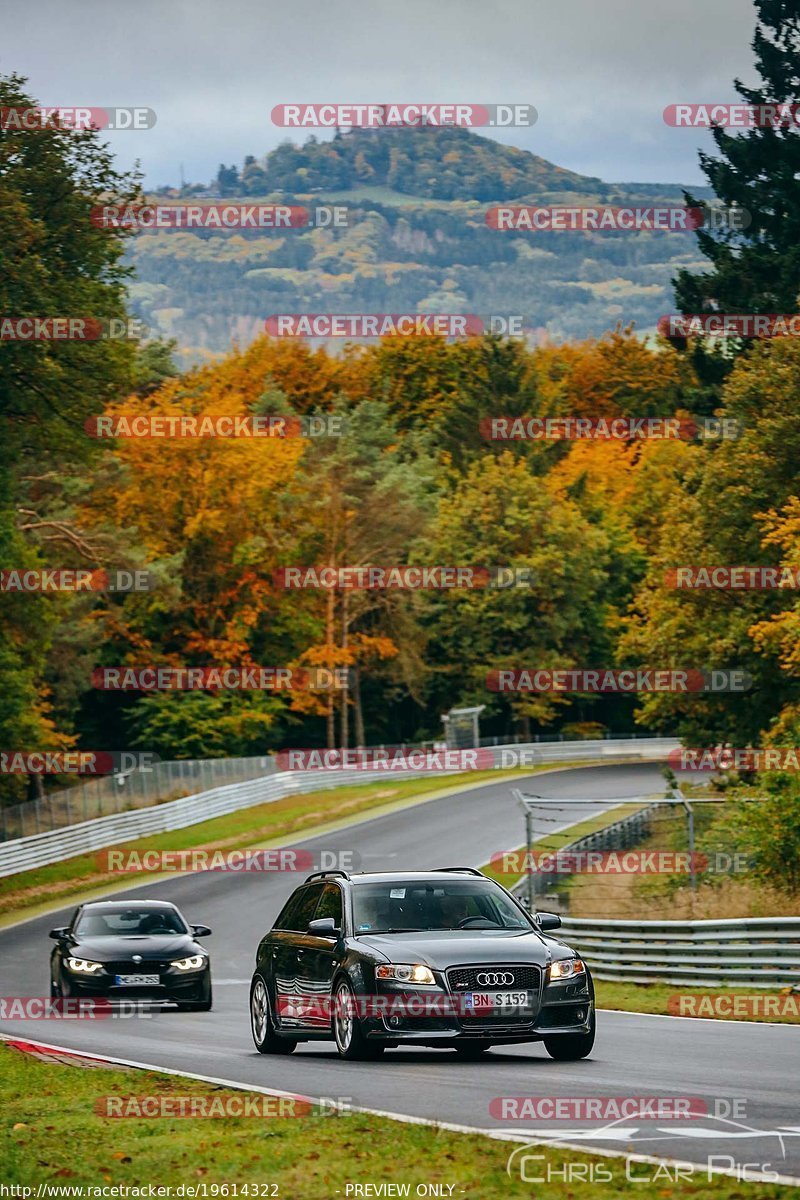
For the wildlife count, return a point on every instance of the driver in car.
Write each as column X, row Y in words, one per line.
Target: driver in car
column 452, row 911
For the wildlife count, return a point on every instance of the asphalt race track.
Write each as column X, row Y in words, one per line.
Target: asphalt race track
column 634, row 1055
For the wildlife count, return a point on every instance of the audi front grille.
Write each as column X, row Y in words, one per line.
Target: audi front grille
column 495, row 978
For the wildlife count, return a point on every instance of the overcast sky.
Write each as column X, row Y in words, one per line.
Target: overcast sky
column 599, row 72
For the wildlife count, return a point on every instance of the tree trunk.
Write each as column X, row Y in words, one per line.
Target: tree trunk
column 329, row 639
column 358, row 714
column 345, row 696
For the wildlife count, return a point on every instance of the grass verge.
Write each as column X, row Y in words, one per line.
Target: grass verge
column 53, row 1137
column 655, row 998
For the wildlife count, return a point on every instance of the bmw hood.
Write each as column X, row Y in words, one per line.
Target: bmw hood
column 445, row 948
column 112, row 949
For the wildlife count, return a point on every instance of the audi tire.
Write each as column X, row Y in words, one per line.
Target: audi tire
column 472, row 1050
column 348, row 1034
column 266, row 1039
column 569, row 1047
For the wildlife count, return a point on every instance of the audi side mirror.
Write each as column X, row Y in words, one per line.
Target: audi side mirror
column 324, row 927
column 548, row 921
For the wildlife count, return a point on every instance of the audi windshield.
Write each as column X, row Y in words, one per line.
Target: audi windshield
column 398, row 907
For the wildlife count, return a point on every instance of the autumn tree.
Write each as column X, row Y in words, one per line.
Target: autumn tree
column 53, row 263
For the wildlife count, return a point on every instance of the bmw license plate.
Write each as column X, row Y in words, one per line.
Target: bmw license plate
column 483, row 1002
column 136, row 980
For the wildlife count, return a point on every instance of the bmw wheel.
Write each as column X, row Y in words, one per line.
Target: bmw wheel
column 203, row 1004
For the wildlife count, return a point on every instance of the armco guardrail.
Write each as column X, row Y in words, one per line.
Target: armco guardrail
column 38, row 850
column 172, row 780
column 760, row 952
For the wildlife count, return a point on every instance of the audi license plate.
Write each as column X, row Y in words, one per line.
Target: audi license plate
column 482, row 1002
column 136, row 980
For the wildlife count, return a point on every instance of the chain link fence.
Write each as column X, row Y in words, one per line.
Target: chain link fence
column 124, row 792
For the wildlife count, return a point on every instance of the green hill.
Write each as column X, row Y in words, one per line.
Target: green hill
column 416, row 240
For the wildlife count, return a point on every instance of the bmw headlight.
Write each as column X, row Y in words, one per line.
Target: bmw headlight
column 405, row 973
column 565, row 968
column 84, row 965
column 189, row 964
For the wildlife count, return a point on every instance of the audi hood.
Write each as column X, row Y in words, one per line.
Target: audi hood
column 444, row 948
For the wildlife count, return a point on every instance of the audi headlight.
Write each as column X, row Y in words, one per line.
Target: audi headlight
column 565, row 968
column 406, row 973
column 84, row 965
column 189, row 964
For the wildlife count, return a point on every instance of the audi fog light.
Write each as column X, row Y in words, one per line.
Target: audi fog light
column 405, row 973
column 565, row 968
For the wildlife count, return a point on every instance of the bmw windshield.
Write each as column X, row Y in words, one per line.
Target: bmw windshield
column 130, row 922
column 394, row 906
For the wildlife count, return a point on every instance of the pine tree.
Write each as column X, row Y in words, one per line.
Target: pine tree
column 757, row 270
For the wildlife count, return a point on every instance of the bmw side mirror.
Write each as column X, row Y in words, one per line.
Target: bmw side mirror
column 201, row 930
column 324, row 927
column 548, row 921
column 58, row 934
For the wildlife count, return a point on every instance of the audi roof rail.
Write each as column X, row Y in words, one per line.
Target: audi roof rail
column 469, row 870
column 323, row 874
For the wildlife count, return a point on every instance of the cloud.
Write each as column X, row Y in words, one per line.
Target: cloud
column 600, row 72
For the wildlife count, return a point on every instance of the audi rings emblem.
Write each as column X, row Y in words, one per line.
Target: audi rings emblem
column 495, row 978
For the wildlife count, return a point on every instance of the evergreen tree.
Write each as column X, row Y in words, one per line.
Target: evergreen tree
column 757, row 270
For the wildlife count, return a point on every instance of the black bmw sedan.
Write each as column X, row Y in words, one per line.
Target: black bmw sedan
column 123, row 949
column 444, row 958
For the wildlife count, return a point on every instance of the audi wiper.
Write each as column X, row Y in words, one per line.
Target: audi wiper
column 395, row 929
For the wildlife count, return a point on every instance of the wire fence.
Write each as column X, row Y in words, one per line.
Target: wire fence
column 127, row 791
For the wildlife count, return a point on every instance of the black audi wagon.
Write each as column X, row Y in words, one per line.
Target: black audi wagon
column 444, row 958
